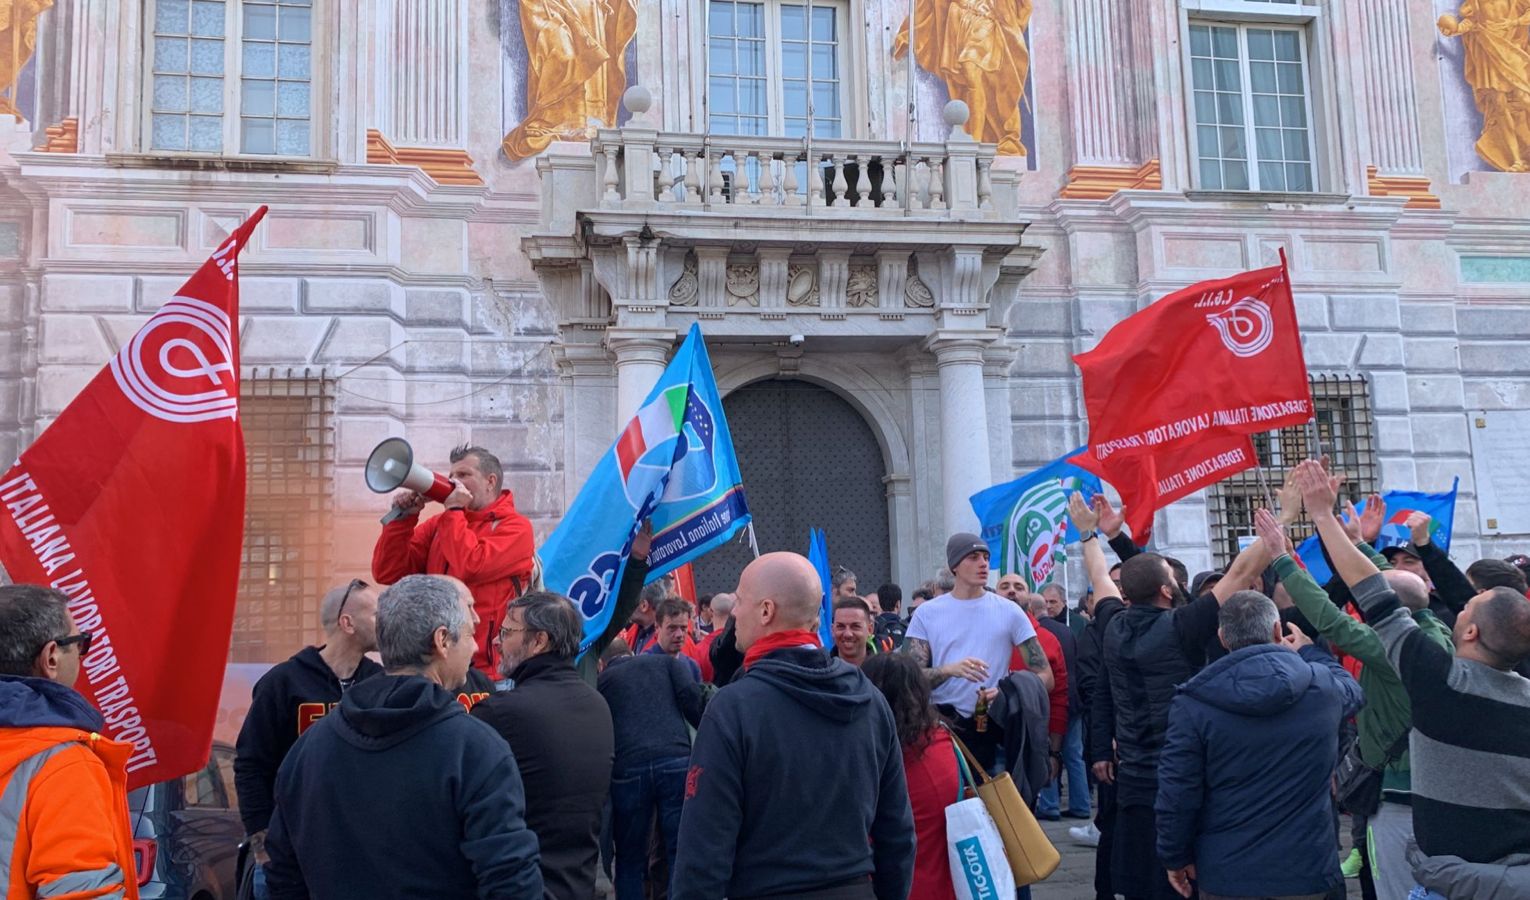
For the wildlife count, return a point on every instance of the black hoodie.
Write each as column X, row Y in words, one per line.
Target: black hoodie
column 796, row 784
column 286, row 701
column 401, row 794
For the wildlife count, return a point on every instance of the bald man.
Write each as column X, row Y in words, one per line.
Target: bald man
column 830, row 831
column 294, row 695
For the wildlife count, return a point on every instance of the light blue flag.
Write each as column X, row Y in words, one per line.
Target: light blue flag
column 1441, row 509
column 818, row 555
column 674, row 464
column 1025, row 521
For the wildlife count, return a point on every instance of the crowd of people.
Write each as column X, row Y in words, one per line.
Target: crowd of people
column 1206, row 732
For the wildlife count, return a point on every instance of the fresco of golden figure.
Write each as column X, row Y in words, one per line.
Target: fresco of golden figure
column 576, row 70
column 18, row 38
column 978, row 48
column 1495, row 39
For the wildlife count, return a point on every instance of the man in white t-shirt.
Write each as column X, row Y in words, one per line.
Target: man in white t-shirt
column 965, row 639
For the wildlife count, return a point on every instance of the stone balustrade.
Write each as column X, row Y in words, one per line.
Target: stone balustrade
column 639, row 168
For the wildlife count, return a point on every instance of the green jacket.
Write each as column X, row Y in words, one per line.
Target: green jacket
column 1387, row 713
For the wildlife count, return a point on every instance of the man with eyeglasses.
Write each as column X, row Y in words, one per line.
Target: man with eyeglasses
column 63, row 787
column 293, row 696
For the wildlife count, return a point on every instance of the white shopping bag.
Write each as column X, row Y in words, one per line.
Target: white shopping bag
column 979, row 869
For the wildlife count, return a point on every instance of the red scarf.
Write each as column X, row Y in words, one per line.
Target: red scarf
column 770, row 643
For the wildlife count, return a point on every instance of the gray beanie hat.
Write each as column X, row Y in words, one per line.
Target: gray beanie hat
column 960, row 546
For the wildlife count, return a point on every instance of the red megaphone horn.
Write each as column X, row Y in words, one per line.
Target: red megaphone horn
column 392, row 466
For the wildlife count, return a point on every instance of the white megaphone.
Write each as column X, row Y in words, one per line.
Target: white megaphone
column 392, row 466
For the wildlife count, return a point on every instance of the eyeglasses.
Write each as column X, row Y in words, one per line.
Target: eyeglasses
column 83, row 639
column 507, row 630
column 349, row 589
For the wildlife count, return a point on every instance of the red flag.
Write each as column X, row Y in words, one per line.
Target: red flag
column 132, row 504
column 1173, row 391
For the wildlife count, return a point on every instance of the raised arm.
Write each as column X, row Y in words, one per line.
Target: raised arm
column 1318, row 495
column 1449, row 582
column 1254, row 559
column 1113, row 525
column 1087, row 520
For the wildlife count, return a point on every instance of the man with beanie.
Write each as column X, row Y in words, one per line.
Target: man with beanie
column 965, row 639
column 294, row 695
column 826, row 832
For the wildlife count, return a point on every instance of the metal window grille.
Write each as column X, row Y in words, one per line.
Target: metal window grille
column 286, row 566
column 1345, row 431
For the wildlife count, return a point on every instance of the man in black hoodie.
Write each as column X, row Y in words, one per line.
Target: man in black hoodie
column 812, row 830
column 559, row 729
column 400, row 793
column 293, row 696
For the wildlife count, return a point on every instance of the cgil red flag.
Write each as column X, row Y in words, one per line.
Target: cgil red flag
column 1174, row 391
column 132, row 504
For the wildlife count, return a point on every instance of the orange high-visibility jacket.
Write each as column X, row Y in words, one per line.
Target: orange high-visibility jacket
column 64, row 829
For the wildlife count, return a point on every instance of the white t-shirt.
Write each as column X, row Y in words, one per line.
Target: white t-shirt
column 989, row 628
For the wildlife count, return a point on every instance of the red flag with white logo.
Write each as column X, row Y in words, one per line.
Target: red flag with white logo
column 1169, row 389
column 132, row 504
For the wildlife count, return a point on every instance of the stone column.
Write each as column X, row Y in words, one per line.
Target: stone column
column 965, row 468
column 641, row 355
column 1391, row 99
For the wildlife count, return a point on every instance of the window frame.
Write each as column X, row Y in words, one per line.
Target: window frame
column 1346, row 432
column 1308, row 21
column 319, row 139
column 775, row 82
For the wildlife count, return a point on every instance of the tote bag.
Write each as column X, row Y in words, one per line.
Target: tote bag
column 979, row 867
column 1031, row 856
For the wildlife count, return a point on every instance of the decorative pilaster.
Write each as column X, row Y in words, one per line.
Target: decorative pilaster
column 421, row 84
column 1390, row 97
column 1107, row 149
column 833, row 276
column 775, row 264
column 428, row 72
column 965, row 466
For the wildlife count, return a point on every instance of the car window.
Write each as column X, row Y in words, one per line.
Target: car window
column 224, row 759
column 202, row 788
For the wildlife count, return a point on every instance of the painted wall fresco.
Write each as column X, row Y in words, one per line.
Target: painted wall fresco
column 1485, row 72
column 977, row 51
column 18, row 41
column 569, row 67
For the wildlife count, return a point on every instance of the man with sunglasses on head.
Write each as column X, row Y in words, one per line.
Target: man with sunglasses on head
column 293, row 696
column 63, row 787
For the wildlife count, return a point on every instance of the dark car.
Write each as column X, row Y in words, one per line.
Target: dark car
column 187, row 833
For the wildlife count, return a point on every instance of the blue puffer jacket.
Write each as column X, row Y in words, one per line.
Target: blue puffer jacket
column 1243, row 781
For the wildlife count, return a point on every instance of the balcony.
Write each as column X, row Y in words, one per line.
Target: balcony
column 648, row 228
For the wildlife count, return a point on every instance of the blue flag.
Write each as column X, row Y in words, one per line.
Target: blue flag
column 1441, row 509
column 674, row 464
column 818, row 555
column 1025, row 521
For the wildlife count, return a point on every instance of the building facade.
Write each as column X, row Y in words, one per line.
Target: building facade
column 895, row 221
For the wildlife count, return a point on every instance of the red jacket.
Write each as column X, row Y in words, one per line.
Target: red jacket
column 490, row 549
column 933, row 784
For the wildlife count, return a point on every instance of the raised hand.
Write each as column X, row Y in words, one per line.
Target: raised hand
column 1290, row 499
column 1351, row 522
column 1317, row 488
column 409, row 502
column 1111, row 519
column 642, row 541
column 1295, row 639
column 1271, row 533
column 1418, row 527
column 1373, row 518
column 1085, row 519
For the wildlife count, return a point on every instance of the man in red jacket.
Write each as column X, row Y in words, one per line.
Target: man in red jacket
column 479, row 538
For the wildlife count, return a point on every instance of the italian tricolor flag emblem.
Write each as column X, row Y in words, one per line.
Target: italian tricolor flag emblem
column 654, row 424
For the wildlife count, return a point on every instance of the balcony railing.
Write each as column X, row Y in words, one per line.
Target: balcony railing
column 737, row 174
